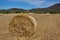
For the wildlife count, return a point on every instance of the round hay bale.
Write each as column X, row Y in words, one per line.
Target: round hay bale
column 22, row 25
column 47, row 14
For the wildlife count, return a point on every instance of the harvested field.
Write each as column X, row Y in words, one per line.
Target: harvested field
column 48, row 27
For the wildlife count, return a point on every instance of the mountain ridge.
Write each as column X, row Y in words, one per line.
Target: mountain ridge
column 52, row 9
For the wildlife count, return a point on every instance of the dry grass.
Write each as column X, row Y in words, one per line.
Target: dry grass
column 48, row 27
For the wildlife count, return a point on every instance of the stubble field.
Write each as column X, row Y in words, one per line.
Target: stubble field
column 48, row 27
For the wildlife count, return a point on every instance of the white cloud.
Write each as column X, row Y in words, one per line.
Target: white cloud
column 30, row 2
column 37, row 3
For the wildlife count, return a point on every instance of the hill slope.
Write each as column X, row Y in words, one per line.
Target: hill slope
column 55, row 7
column 52, row 9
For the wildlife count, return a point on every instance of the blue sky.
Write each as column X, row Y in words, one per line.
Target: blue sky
column 26, row 4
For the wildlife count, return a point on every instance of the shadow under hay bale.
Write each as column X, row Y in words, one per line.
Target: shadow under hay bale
column 22, row 25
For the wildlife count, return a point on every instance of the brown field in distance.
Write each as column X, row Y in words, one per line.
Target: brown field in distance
column 48, row 27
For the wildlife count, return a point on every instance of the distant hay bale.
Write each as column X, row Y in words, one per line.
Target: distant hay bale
column 22, row 25
column 47, row 14
column 30, row 13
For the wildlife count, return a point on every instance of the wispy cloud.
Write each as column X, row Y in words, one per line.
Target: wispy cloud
column 37, row 3
column 30, row 2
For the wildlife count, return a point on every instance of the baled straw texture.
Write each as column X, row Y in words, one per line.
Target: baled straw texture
column 22, row 25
